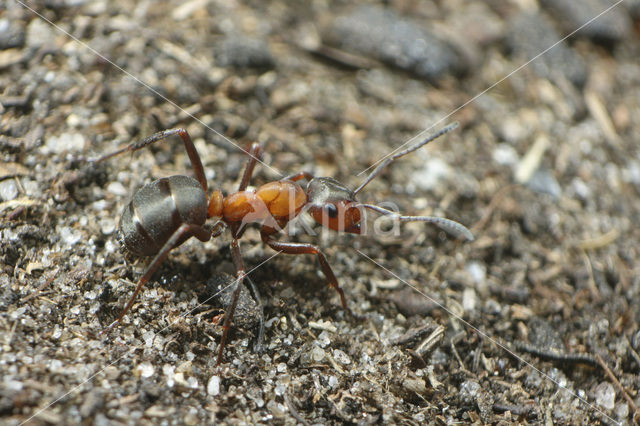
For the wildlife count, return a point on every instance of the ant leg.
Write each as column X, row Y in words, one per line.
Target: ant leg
column 253, row 153
column 196, row 163
column 298, row 176
column 299, row 248
column 184, row 231
column 228, row 317
column 256, row 296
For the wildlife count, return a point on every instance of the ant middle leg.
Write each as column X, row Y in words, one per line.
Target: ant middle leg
column 184, row 232
column 254, row 153
column 300, row 248
column 196, row 163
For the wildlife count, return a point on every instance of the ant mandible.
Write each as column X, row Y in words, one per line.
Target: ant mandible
column 166, row 212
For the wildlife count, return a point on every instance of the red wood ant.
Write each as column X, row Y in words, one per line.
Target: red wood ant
column 168, row 211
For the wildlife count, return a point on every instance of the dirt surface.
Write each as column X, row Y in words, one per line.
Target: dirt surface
column 536, row 321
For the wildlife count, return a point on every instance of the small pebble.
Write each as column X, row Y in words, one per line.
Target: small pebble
column 610, row 27
column 469, row 392
column 478, row 272
column 605, row 395
column 168, row 371
column 145, row 370
column 382, row 34
column 107, row 225
column 213, row 386
column 116, row 188
column 8, row 190
column 70, row 236
column 317, row 354
column 66, row 142
column 333, row 382
column 244, row 52
column 544, row 182
column 531, row 34
column 429, row 177
column 505, row 155
column 341, row 357
column 622, row 410
column 39, row 32
column 469, row 300
column 12, row 34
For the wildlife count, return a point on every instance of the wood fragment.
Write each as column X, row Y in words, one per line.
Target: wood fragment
column 601, row 115
column 599, row 241
column 531, row 160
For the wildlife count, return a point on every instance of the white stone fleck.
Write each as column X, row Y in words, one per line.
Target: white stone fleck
column 317, row 354
column 213, row 386
column 605, row 395
column 69, row 236
column 478, row 272
column 66, row 142
column 341, row 357
column 148, row 338
column 428, row 177
column 469, row 300
column 116, row 188
column 107, row 225
column 505, row 155
column 8, row 190
column 145, row 370
column 168, row 371
column 333, row 382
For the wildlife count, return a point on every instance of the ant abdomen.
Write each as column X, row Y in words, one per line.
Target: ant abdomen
column 157, row 210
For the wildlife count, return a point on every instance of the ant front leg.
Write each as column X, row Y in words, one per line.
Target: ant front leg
column 298, row 248
column 184, row 232
column 196, row 163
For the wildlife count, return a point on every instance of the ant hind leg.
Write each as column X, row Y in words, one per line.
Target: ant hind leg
column 181, row 234
column 196, row 163
column 228, row 316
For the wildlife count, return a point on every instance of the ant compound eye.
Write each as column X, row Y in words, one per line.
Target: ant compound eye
column 332, row 210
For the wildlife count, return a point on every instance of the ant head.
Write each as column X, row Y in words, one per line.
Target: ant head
column 333, row 205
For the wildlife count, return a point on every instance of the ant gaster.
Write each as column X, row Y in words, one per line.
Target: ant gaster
column 168, row 211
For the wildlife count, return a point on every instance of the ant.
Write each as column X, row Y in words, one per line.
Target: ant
column 166, row 212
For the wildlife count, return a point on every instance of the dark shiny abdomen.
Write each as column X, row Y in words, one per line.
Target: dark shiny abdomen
column 157, row 210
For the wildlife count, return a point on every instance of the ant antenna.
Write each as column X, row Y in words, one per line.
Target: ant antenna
column 409, row 150
column 452, row 227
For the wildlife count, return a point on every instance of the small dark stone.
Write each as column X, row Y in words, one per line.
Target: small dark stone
column 410, row 303
column 244, row 52
column 219, row 290
column 12, row 34
column 531, row 34
column 544, row 182
column 543, row 335
column 381, row 34
column 634, row 9
column 607, row 28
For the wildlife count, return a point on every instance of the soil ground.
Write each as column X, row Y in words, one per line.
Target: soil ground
column 535, row 321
